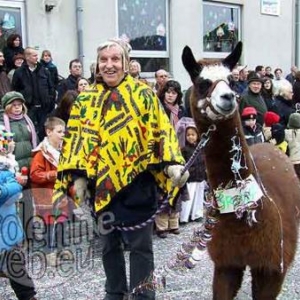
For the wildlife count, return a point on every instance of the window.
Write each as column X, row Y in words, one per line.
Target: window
column 11, row 21
column 221, row 28
column 144, row 23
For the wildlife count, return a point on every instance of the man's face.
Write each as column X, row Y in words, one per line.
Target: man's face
column 268, row 71
column 32, row 57
column 76, row 69
column 162, row 77
column 235, row 75
column 110, row 65
column 278, row 74
column 255, row 86
column 243, row 74
column 262, row 72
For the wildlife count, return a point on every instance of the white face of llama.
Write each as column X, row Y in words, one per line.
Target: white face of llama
column 215, row 99
column 220, row 102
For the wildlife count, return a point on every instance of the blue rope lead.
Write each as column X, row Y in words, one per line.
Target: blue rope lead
column 203, row 141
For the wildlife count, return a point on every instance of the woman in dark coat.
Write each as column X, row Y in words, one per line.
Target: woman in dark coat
column 46, row 61
column 14, row 47
column 267, row 93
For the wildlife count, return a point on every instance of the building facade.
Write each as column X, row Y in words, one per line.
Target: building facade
column 158, row 30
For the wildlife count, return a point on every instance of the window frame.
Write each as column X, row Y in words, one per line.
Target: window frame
column 20, row 5
column 211, row 54
column 150, row 53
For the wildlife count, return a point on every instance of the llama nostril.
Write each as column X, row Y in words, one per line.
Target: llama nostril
column 228, row 96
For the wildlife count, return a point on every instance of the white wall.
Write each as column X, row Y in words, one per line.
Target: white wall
column 268, row 40
column 99, row 24
column 55, row 31
column 185, row 29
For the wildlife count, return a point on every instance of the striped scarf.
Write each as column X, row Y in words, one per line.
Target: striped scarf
column 174, row 109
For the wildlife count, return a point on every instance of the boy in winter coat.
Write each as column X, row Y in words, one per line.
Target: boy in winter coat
column 270, row 118
column 43, row 173
column 12, row 260
column 252, row 130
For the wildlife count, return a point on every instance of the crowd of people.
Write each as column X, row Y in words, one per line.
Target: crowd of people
column 118, row 145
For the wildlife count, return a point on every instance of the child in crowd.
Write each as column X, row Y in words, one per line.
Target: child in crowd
column 278, row 135
column 193, row 208
column 270, row 118
column 292, row 137
column 12, row 259
column 252, row 130
column 43, row 174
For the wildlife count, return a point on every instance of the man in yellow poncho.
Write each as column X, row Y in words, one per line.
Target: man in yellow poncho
column 120, row 139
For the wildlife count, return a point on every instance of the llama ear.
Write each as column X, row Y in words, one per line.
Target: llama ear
column 190, row 63
column 231, row 60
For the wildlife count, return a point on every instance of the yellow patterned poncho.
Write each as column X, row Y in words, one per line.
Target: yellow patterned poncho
column 114, row 134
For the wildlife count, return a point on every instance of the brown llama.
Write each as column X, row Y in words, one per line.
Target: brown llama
column 263, row 235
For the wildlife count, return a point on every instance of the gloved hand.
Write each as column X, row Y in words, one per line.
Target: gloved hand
column 81, row 190
column 174, row 172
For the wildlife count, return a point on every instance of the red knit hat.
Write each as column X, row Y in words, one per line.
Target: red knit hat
column 249, row 113
column 271, row 118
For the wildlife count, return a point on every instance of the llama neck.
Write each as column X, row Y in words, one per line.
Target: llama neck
column 227, row 155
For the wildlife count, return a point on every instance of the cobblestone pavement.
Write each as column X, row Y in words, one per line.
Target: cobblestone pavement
column 84, row 278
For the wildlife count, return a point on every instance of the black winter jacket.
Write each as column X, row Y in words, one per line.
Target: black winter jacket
column 65, row 85
column 284, row 108
column 36, row 87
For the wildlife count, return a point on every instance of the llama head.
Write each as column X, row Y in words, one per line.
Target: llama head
column 212, row 97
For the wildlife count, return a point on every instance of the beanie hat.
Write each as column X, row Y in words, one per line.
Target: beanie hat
column 294, row 121
column 271, row 118
column 249, row 113
column 9, row 97
column 254, row 77
column 18, row 56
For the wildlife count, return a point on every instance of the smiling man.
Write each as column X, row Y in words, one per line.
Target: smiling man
column 252, row 97
column 121, row 142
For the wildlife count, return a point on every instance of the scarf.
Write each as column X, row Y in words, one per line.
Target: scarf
column 48, row 151
column 30, row 125
column 112, row 136
column 174, row 109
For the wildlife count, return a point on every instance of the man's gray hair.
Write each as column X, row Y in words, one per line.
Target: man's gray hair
column 124, row 47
